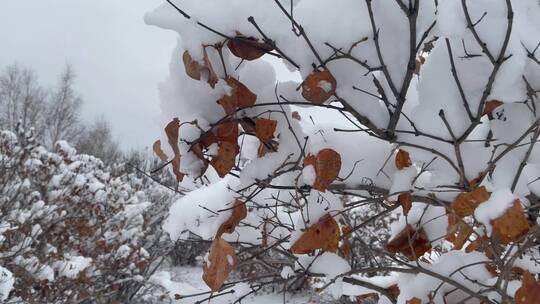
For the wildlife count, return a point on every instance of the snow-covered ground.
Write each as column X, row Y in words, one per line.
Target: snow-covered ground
column 188, row 280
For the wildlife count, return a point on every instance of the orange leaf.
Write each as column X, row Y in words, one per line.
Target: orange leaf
column 248, row 48
column 319, row 86
column 368, row 298
column 458, row 231
column 410, row 242
column 225, row 160
column 466, row 202
column 511, row 225
column 172, row 131
column 240, row 97
column 414, row 300
column 296, row 115
column 322, row 235
column 195, row 70
column 402, row 159
column 474, row 246
column 491, row 105
column 327, row 165
column 239, row 212
column 529, row 292
column 159, row 152
column 393, row 291
column 221, row 261
column 227, row 131
column 405, row 200
column 265, row 128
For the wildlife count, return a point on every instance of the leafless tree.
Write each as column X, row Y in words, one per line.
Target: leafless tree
column 22, row 99
column 62, row 115
column 97, row 140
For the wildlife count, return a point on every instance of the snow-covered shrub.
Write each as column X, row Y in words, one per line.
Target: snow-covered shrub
column 426, row 109
column 70, row 232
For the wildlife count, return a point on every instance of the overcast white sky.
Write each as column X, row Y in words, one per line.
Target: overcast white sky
column 118, row 58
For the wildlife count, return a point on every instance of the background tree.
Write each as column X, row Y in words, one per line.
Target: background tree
column 97, row 140
column 22, row 100
column 62, row 115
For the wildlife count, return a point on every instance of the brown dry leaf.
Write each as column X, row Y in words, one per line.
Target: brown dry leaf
column 159, row 152
column 221, row 261
column 265, row 128
column 405, row 200
column 419, row 62
column 466, row 202
column 345, row 248
column 475, row 245
column 172, row 130
column 529, row 292
column 262, row 150
column 296, row 115
column 511, row 225
column 319, row 86
column 368, row 298
column 491, row 105
column 225, row 160
column 327, row 165
column 414, row 300
column 196, row 70
column 239, row 212
column 248, row 48
column 322, row 235
column 393, row 291
column 410, row 242
column 458, row 231
column 227, row 131
column 240, row 97
column 403, row 159
column 475, row 182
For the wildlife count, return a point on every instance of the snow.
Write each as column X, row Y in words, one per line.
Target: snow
column 329, row 264
column 186, row 214
column 72, row 266
column 493, row 208
column 6, row 283
column 325, row 85
column 287, row 272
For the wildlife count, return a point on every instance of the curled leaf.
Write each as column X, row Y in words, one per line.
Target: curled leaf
column 368, row 298
column 458, row 231
column 410, row 242
column 322, row 235
column 219, row 264
column 327, row 165
column 172, row 130
column 319, row 86
column 466, row 202
column 512, row 225
column 196, row 70
column 156, row 147
column 491, row 105
column 239, row 212
column 296, row 115
column 405, row 200
column 239, row 97
column 529, row 292
column 265, row 128
column 248, row 48
column 403, row 160
column 414, row 300
column 225, row 160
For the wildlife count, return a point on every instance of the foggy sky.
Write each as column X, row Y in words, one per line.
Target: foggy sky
column 119, row 59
